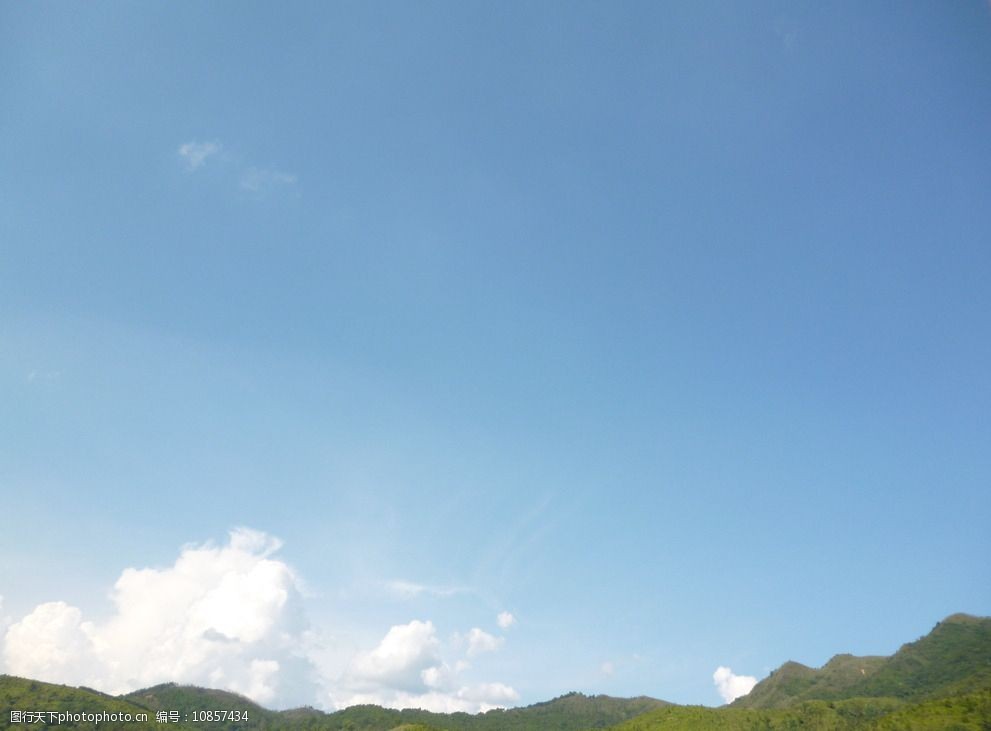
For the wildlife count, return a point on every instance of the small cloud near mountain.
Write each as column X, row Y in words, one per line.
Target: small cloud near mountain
column 730, row 685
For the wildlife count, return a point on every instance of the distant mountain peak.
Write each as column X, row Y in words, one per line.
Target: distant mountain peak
column 962, row 618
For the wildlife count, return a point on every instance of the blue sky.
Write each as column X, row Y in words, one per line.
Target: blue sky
column 665, row 329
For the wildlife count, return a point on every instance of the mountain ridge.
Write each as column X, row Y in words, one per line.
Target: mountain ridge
column 954, row 657
column 939, row 681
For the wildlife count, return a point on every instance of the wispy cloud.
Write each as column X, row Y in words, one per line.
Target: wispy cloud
column 260, row 180
column 786, row 32
column 505, row 620
column 194, row 154
column 402, row 589
column 251, row 178
column 40, row 376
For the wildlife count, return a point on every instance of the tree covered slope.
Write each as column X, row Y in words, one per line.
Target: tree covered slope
column 23, row 695
column 955, row 657
column 966, row 712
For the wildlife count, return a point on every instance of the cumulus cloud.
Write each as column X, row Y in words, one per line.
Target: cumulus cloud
column 52, row 643
column 195, row 154
column 400, row 660
column 260, row 180
column 730, row 685
column 480, row 641
column 221, row 616
column 229, row 616
column 406, row 670
column 505, row 620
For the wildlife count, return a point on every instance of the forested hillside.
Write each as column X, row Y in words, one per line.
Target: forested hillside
column 941, row 681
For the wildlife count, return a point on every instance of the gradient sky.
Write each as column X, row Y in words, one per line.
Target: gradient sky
column 664, row 327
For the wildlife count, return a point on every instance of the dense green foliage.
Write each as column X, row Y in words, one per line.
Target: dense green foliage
column 954, row 658
column 820, row 715
column 940, row 682
column 794, row 682
column 953, row 713
column 18, row 694
column 969, row 712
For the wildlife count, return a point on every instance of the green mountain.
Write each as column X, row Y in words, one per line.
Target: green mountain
column 567, row 713
column 939, row 682
column 571, row 712
column 955, row 657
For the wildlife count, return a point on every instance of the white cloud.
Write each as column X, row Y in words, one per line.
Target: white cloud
column 608, row 668
column 225, row 616
column 438, row 676
column 406, row 670
column 486, row 696
column 52, row 643
column 730, row 685
column 505, row 620
column 260, row 180
column 230, row 616
column 480, row 641
column 400, row 659
column 477, row 698
column 195, row 154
